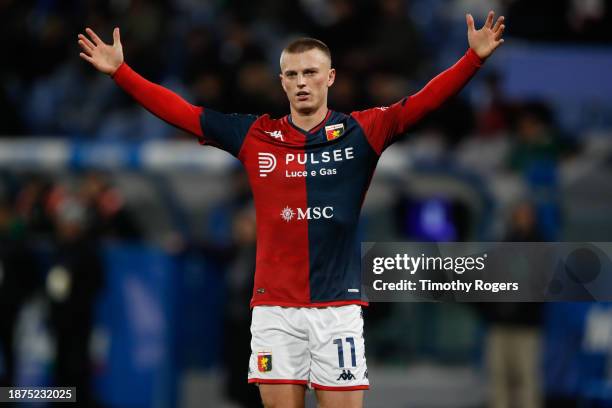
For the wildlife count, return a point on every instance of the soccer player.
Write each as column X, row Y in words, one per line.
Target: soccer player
column 309, row 172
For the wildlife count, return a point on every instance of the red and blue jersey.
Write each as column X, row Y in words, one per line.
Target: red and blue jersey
column 308, row 186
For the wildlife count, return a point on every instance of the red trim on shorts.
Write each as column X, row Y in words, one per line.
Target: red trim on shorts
column 348, row 388
column 315, row 305
column 275, row 381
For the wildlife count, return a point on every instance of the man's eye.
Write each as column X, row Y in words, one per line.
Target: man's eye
column 291, row 75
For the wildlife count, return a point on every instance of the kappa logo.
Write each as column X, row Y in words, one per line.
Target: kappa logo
column 267, row 163
column 346, row 376
column 382, row 108
column 310, row 213
column 277, row 134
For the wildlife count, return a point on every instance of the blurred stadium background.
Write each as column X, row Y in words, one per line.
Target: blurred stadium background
column 128, row 248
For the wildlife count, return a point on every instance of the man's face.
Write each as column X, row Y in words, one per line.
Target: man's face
column 305, row 77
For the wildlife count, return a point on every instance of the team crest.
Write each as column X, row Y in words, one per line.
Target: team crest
column 334, row 131
column 264, row 362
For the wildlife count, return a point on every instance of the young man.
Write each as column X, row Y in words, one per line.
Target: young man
column 309, row 172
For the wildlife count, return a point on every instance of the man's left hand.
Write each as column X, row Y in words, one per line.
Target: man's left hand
column 488, row 38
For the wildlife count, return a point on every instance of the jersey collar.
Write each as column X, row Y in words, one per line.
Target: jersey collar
column 314, row 129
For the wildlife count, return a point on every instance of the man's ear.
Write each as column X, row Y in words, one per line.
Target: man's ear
column 332, row 77
column 280, row 76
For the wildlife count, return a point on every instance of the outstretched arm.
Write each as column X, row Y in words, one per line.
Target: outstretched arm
column 160, row 101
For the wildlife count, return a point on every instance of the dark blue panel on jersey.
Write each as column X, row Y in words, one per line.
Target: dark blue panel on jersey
column 338, row 188
column 226, row 130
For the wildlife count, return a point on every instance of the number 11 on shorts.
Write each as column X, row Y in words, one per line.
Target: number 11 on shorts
column 350, row 341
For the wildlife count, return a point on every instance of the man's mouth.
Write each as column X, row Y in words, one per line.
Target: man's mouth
column 302, row 95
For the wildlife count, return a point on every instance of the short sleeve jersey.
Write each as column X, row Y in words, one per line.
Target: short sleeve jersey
column 308, row 189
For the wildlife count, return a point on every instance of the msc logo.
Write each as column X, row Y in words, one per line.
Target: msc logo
column 310, row 213
column 267, row 163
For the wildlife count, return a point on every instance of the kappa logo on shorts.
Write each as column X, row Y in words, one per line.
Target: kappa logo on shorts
column 264, row 361
column 346, row 376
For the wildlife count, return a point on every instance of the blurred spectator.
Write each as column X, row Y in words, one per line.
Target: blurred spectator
column 73, row 283
column 107, row 209
column 145, row 24
column 455, row 120
column 344, row 93
column 257, row 92
column 537, row 141
column 514, row 334
column 386, row 88
column 232, row 242
column 513, row 353
column 239, row 45
column 590, row 20
column 345, row 26
column 241, row 272
column 403, row 55
column 19, row 277
column 201, row 52
column 32, row 205
column 538, row 148
column 523, row 225
column 494, row 112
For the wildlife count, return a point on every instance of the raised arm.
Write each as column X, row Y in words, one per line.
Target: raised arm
column 160, row 101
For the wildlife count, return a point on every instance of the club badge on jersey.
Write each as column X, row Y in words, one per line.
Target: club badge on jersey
column 334, row 131
column 264, row 362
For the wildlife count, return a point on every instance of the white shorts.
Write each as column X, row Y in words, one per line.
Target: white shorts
column 319, row 347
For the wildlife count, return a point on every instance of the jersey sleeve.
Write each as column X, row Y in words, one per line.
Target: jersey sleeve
column 160, row 101
column 383, row 125
column 226, row 131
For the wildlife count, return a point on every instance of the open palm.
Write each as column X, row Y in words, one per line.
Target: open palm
column 104, row 57
column 488, row 38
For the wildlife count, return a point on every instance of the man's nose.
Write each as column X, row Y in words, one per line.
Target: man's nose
column 301, row 80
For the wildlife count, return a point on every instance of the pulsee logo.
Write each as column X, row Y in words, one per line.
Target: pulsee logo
column 267, row 163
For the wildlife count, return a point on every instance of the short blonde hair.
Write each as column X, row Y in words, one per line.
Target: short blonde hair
column 306, row 44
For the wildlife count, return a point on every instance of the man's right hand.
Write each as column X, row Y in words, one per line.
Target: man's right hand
column 105, row 58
